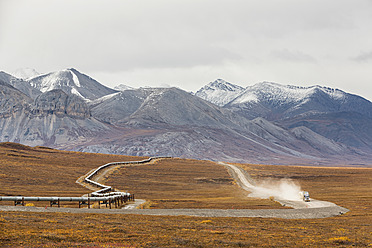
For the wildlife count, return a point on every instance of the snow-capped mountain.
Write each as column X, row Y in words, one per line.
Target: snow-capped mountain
column 25, row 73
column 332, row 113
column 172, row 122
column 219, row 92
column 122, row 87
column 71, row 81
column 274, row 101
column 264, row 123
column 53, row 119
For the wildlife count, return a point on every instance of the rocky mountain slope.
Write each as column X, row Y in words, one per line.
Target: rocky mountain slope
column 274, row 101
column 12, row 101
column 54, row 118
column 350, row 128
column 264, row 123
column 19, row 84
column 336, row 115
column 172, row 122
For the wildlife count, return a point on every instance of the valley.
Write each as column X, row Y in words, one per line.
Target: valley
column 176, row 184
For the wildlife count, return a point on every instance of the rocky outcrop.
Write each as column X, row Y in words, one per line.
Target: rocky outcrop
column 12, row 101
column 53, row 119
column 57, row 102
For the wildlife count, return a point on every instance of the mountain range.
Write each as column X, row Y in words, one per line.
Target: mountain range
column 264, row 123
column 332, row 113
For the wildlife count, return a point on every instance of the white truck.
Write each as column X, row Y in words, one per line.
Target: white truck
column 305, row 196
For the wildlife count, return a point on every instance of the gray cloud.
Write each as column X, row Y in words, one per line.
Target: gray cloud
column 191, row 42
column 363, row 57
column 292, row 56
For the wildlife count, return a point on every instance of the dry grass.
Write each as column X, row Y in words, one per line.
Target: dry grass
column 91, row 230
column 185, row 183
column 350, row 188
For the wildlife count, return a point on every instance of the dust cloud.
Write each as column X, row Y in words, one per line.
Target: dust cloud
column 282, row 189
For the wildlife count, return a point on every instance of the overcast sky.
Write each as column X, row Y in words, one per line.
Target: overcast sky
column 190, row 43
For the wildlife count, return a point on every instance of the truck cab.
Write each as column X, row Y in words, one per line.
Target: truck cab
column 306, row 196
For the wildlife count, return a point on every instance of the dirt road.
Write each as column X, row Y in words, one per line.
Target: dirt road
column 247, row 183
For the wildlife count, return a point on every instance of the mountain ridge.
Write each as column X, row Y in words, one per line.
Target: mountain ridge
column 25, row 73
column 219, row 92
column 71, row 81
column 288, row 100
column 263, row 123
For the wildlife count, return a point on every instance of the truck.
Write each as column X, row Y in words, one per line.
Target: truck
column 305, row 196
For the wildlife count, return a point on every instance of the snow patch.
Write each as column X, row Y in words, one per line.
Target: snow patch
column 123, row 87
column 247, row 98
column 75, row 79
column 104, row 98
column 76, row 92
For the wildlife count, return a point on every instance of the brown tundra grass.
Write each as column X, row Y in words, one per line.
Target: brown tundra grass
column 176, row 183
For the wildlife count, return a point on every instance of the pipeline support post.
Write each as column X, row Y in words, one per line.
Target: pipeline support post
column 19, row 202
column 55, row 202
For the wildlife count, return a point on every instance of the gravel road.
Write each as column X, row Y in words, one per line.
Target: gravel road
column 311, row 213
